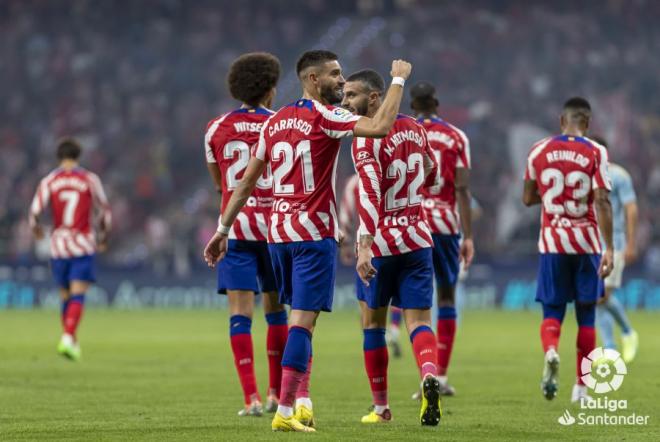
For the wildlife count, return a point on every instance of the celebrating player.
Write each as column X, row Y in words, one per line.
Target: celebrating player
column 624, row 220
column 73, row 193
column 348, row 221
column 394, row 245
column 246, row 269
column 567, row 174
column 447, row 207
column 301, row 143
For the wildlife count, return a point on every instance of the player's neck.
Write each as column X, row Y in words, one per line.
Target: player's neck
column 307, row 95
column 427, row 115
column 68, row 164
column 574, row 131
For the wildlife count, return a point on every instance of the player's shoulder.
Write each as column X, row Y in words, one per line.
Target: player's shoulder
column 437, row 124
column 403, row 120
column 539, row 146
column 618, row 172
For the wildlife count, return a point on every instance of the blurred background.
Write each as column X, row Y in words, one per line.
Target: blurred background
column 137, row 82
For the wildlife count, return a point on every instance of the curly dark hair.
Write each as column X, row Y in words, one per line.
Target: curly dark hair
column 252, row 75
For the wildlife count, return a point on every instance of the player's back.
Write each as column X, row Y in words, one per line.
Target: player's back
column 301, row 143
column 566, row 169
column 622, row 193
column 71, row 194
column 451, row 150
column 397, row 163
column 229, row 142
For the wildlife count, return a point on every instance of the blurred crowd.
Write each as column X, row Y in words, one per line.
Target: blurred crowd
column 136, row 83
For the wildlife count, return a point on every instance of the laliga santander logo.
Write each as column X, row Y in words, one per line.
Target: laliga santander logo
column 603, row 370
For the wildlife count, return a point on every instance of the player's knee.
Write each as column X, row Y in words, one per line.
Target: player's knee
column 446, row 296
column 585, row 314
column 554, row 311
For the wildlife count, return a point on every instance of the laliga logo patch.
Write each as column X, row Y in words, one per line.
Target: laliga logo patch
column 603, row 370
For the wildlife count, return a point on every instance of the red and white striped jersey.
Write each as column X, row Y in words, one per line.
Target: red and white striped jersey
column 451, row 150
column 391, row 177
column 301, row 143
column 566, row 170
column 229, row 142
column 73, row 195
column 348, row 216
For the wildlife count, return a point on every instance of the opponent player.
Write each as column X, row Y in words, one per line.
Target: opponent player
column 394, row 245
column 624, row 210
column 73, row 194
column 247, row 270
column 348, row 221
column 301, row 143
column 568, row 175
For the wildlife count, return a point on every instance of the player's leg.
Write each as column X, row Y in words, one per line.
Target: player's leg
column 80, row 274
column 586, row 342
column 446, row 268
column 276, row 335
column 605, row 325
column 237, row 277
column 393, row 333
column 376, row 360
column 553, row 317
column 278, row 330
column 241, row 309
column 305, row 273
column 374, row 301
column 588, row 289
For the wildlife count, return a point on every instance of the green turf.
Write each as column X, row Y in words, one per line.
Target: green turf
column 169, row 375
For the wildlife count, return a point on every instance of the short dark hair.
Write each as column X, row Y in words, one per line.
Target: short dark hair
column 314, row 58
column 68, row 149
column 370, row 78
column 578, row 110
column 251, row 76
column 423, row 98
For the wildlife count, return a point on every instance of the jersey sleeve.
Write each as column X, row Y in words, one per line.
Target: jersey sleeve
column 626, row 189
column 530, row 170
column 40, row 201
column 336, row 122
column 100, row 200
column 208, row 149
column 369, row 178
column 260, row 152
column 431, row 166
column 464, row 160
column 601, row 178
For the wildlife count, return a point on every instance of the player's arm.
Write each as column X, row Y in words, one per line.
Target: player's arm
column 39, row 203
column 369, row 178
column 382, row 121
column 604, row 213
column 217, row 247
column 102, row 205
column 464, row 199
column 531, row 195
column 212, row 165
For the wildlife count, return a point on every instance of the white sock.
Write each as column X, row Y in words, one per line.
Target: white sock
column 379, row 409
column 307, row 402
column 442, row 379
column 285, row 411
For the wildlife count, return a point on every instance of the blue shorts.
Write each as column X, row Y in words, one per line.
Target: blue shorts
column 246, row 267
column 80, row 268
column 446, row 263
column 305, row 273
column 405, row 281
column 566, row 278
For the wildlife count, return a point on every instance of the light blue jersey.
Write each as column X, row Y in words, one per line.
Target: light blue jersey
column 622, row 193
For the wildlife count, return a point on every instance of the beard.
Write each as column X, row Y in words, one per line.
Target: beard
column 333, row 94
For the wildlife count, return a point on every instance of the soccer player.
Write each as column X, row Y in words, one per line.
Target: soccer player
column 624, row 218
column 394, row 245
column 73, row 194
column 247, row 270
column 348, row 221
column 567, row 174
column 448, row 210
column 301, row 143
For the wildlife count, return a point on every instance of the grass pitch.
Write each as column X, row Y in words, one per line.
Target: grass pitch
column 169, row 375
